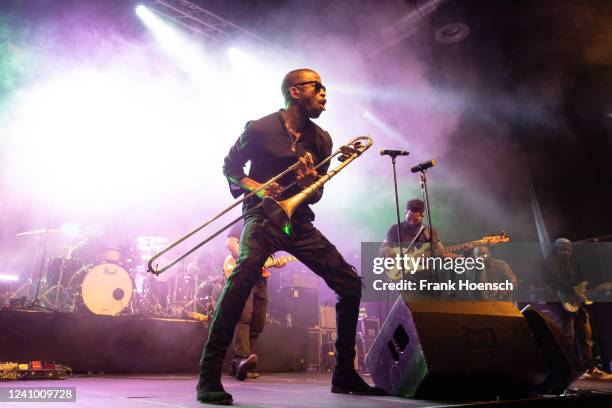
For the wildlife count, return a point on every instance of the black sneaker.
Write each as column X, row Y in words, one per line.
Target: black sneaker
column 245, row 365
column 351, row 383
column 213, row 394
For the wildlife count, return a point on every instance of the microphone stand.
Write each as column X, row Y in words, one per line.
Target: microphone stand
column 423, row 178
column 399, row 236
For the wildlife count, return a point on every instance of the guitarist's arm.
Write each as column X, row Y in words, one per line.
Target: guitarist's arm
column 386, row 249
column 553, row 280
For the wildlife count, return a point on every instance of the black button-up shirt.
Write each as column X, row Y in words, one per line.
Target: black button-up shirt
column 266, row 143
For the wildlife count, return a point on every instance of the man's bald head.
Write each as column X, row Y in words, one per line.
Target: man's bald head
column 295, row 77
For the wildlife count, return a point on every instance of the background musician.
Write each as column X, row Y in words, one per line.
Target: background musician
column 562, row 275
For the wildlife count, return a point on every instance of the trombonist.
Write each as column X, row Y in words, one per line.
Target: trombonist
column 272, row 144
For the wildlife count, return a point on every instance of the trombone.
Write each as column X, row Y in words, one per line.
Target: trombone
column 278, row 212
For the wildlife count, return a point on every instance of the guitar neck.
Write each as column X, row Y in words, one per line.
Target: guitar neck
column 277, row 261
column 459, row 247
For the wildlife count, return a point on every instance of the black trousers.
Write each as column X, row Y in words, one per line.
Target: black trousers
column 259, row 240
column 252, row 320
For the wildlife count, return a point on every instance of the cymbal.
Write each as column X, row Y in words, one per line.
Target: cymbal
column 38, row 232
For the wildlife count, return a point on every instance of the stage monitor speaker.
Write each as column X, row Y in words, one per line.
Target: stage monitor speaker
column 455, row 349
column 559, row 353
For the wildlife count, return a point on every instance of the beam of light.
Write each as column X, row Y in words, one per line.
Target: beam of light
column 386, row 129
column 186, row 53
column 252, row 68
column 109, row 137
column 8, row 278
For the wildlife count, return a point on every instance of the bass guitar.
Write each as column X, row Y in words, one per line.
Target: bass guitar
column 423, row 250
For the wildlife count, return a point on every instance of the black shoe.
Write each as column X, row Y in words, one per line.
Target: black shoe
column 351, row 383
column 213, row 394
column 245, row 365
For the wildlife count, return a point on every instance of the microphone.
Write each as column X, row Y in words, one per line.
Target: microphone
column 423, row 166
column 394, row 153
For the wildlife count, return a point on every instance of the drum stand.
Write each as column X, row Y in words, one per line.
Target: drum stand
column 35, row 304
column 59, row 288
column 179, row 304
column 149, row 304
column 194, row 298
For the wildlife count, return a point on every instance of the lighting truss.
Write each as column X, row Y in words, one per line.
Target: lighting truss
column 201, row 21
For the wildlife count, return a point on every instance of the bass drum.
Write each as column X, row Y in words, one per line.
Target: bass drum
column 107, row 289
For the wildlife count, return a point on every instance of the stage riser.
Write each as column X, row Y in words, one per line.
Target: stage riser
column 122, row 344
column 130, row 344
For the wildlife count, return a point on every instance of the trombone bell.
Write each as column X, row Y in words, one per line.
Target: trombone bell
column 279, row 212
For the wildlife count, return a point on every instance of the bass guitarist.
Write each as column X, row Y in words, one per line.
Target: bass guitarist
column 409, row 230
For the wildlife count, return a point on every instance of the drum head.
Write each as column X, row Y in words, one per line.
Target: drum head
column 107, row 289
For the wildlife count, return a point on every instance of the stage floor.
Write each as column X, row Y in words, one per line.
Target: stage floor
column 305, row 390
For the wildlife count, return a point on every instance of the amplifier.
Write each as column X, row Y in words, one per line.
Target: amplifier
column 369, row 327
column 328, row 317
column 300, row 306
column 314, row 347
column 298, row 280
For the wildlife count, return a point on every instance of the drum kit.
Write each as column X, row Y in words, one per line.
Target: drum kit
column 115, row 281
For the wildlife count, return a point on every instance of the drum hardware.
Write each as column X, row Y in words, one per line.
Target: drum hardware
column 56, row 298
column 153, row 299
column 42, row 263
column 59, row 275
column 108, row 286
column 278, row 212
column 37, row 264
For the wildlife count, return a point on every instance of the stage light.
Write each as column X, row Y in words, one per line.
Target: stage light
column 141, row 10
column 366, row 114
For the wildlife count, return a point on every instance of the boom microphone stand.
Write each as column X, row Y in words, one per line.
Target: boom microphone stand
column 393, row 154
column 422, row 168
